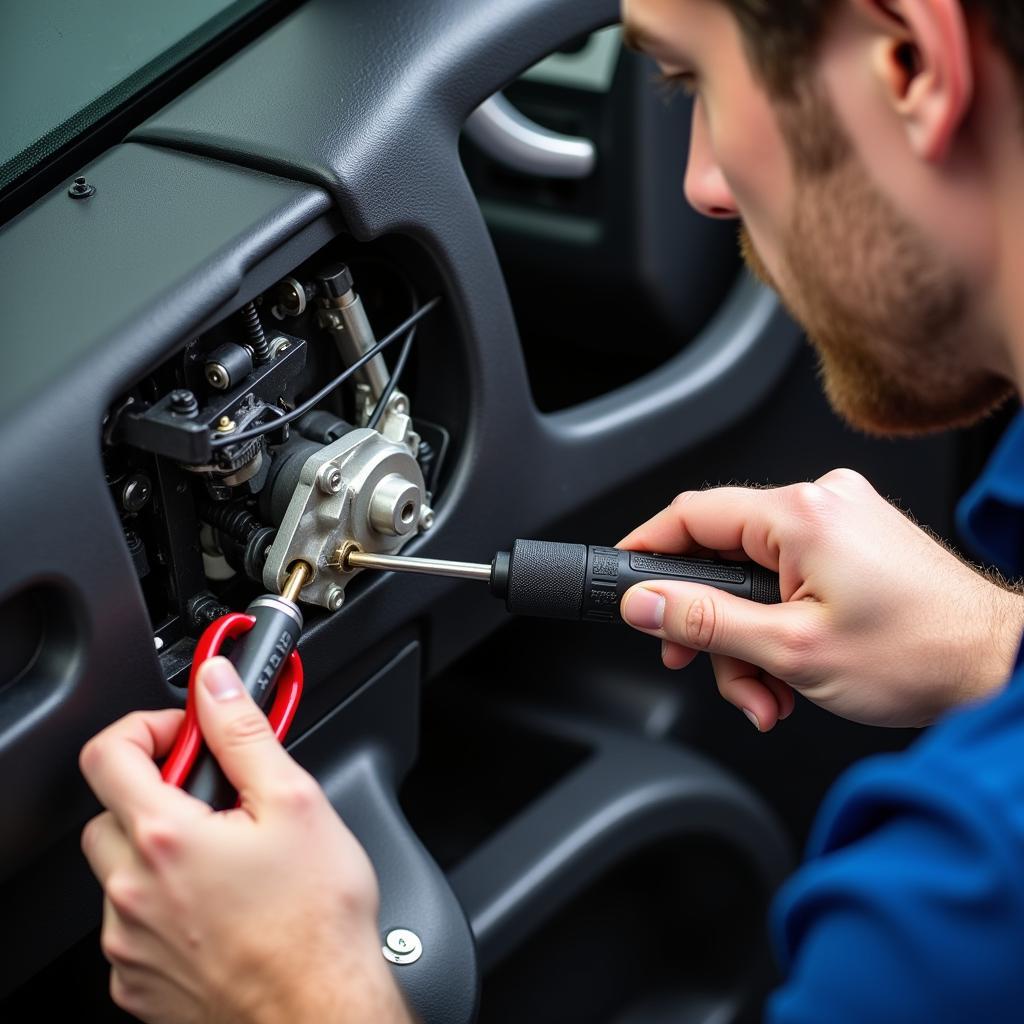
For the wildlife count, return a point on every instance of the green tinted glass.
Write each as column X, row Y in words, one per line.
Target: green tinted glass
column 66, row 64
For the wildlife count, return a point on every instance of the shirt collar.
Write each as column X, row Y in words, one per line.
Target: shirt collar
column 990, row 516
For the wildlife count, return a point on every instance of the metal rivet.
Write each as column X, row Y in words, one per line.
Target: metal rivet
column 81, row 189
column 335, row 598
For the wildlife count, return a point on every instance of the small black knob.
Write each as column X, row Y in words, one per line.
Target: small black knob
column 336, row 281
column 183, row 402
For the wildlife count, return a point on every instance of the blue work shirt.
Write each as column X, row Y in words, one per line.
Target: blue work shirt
column 911, row 905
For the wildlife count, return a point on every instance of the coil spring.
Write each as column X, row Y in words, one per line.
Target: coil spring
column 258, row 340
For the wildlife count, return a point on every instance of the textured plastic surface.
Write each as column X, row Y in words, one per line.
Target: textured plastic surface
column 556, row 580
column 626, row 796
column 367, row 115
column 546, row 579
column 764, row 586
column 360, row 753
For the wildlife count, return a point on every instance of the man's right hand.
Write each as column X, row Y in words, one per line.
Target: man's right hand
column 879, row 623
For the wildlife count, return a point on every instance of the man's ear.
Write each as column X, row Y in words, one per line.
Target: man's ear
column 921, row 57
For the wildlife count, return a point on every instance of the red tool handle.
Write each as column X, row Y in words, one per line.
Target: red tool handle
column 189, row 740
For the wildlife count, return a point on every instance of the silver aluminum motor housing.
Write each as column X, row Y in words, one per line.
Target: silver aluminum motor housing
column 345, row 494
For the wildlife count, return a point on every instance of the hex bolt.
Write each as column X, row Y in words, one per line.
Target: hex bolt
column 329, row 479
column 183, row 403
column 426, row 518
column 81, row 189
column 335, row 597
column 336, row 281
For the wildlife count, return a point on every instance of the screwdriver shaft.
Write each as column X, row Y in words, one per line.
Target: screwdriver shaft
column 424, row 566
column 297, row 579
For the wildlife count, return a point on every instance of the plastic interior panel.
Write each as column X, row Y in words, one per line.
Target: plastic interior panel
column 360, row 753
column 93, row 295
column 336, row 100
column 625, row 797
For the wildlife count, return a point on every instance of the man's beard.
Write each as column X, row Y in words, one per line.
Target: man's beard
column 889, row 318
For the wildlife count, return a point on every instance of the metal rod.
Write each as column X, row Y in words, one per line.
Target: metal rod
column 425, row 566
column 300, row 573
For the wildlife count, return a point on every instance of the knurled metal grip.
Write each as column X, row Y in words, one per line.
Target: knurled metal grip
column 573, row 581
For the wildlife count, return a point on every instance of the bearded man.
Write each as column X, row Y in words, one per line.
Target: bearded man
column 873, row 151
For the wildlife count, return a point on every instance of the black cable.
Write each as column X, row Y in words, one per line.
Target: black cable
column 301, row 410
column 382, row 403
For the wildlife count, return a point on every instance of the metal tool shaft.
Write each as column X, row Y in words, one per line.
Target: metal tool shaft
column 297, row 579
column 424, row 566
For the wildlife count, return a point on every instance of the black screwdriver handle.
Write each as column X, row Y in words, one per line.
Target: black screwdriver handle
column 573, row 581
column 258, row 656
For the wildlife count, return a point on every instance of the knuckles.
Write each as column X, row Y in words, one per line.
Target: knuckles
column 808, row 500
column 156, row 838
column 298, row 793
column 126, row 897
column 681, row 499
column 88, row 838
column 89, row 756
column 850, row 477
column 128, row 997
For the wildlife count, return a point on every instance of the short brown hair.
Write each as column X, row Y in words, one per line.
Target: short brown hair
column 782, row 35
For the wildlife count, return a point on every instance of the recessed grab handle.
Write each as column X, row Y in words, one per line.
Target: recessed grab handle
column 509, row 137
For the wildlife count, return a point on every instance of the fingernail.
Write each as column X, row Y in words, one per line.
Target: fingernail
column 220, row 679
column 644, row 609
column 753, row 718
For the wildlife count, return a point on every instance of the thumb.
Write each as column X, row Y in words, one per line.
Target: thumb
column 779, row 638
column 237, row 731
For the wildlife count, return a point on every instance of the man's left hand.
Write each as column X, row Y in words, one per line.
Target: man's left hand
column 267, row 912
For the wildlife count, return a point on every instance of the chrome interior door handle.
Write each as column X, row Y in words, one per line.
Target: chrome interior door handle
column 509, row 137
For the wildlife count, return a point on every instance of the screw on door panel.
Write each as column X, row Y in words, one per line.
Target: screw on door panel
column 81, row 189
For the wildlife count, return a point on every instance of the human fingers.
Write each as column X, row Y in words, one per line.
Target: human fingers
column 119, row 765
column 785, row 695
column 240, row 737
column 740, row 683
column 726, row 519
column 105, row 846
column 675, row 656
column 784, row 639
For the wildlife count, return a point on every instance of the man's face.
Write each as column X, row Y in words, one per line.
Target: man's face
column 891, row 317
